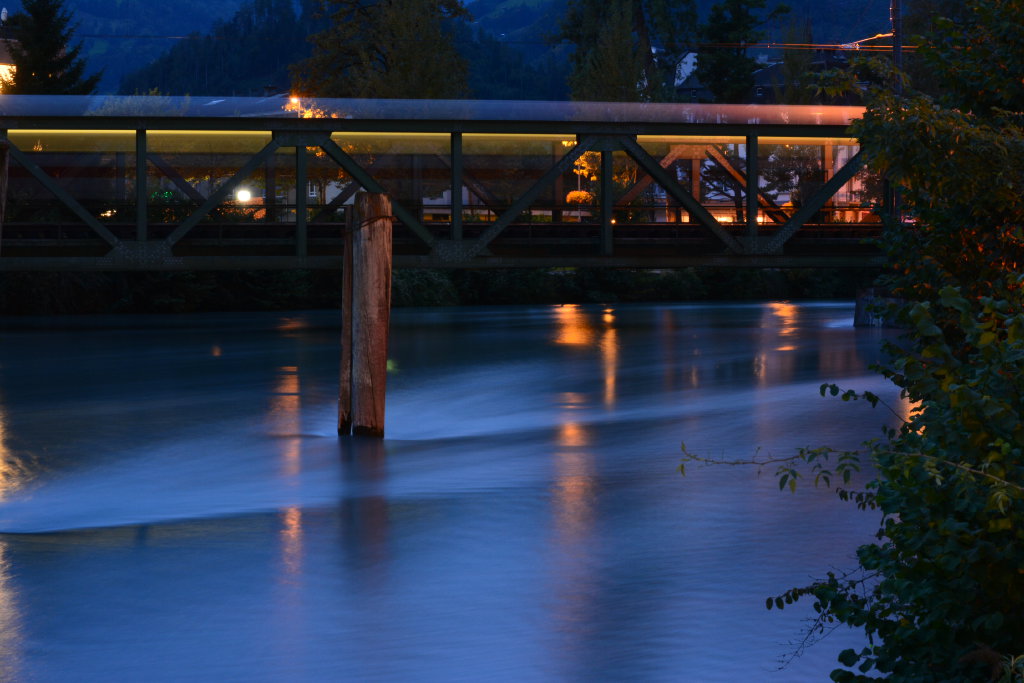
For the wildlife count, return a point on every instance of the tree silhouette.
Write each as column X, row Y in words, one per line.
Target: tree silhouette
column 627, row 50
column 724, row 67
column 397, row 49
column 44, row 61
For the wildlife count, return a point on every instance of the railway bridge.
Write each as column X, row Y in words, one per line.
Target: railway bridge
column 165, row 183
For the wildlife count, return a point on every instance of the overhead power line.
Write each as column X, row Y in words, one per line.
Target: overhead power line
column 857, row 45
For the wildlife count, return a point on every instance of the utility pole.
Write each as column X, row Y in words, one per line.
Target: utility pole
column 896, row 18
column 891, row 193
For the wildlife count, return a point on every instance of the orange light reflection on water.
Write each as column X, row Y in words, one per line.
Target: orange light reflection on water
column 285, row 418
column 784, row 317
column 775, row 361
column 291, row 540
column 610, row 357
column 573, row 327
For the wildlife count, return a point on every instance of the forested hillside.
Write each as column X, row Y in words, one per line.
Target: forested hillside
column 511, row 45
column 119, row 36
column 245, row 55
column 250, row 53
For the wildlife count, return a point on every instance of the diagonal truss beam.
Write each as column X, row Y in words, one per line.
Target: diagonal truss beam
column 675, row 153
column 340, row 157
column 526, row 199
column 680, row 194
column 473, row 185
column 218, row 196
column 186, row 187
column 771, row 208
column 63, row 196
column 347, row 192
column 816, row 202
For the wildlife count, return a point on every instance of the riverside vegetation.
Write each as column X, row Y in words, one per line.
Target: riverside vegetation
column 940, row 594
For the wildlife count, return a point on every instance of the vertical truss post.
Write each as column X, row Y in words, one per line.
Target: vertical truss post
column 141, row 187
column 607, row 201
column 828, row 163
column 558, row 198
column 301, row 200
column 120, row 179
column 456, row 148
column 5, row 161
column 270, row 191
column 752, row 187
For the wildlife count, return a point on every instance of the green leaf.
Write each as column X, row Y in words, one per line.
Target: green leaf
column 848, row 657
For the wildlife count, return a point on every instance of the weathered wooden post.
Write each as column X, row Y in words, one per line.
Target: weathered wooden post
column 366, row 314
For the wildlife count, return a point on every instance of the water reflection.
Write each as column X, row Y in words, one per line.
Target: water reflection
column 572, row 435
column 574, row 492
column 7, row 477
column 574, row 327
column 291, row 327
column 285, row 418
column 609, row 357
column 365, row 513
column 10, row 622
column 775, row 360
column 291, row 541
column 12, row 470
column 784, row 317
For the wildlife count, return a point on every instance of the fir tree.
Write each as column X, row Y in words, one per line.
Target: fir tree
column 724, row 67
column 385, row 49
column 626, row 50
column 44, row 61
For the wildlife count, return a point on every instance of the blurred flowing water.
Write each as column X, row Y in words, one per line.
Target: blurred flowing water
column 175, row 504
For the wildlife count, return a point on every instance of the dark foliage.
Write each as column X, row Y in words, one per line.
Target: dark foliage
column 45, row 61
column 384, row 49
column 727, row 70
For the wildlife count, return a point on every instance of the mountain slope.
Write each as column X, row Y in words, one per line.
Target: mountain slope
column 119, row 36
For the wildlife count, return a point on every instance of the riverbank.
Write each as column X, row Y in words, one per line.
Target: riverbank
column 194, row 291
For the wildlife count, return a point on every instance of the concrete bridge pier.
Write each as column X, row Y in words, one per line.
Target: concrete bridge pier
column 366, row 314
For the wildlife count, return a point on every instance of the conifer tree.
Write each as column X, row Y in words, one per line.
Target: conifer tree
column 626, row 50
column 45, row 63
column 385, row 49
column 724, row 67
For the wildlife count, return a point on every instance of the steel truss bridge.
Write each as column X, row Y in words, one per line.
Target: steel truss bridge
column 158, row 183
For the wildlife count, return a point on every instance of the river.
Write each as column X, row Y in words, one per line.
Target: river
column 175, row 503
